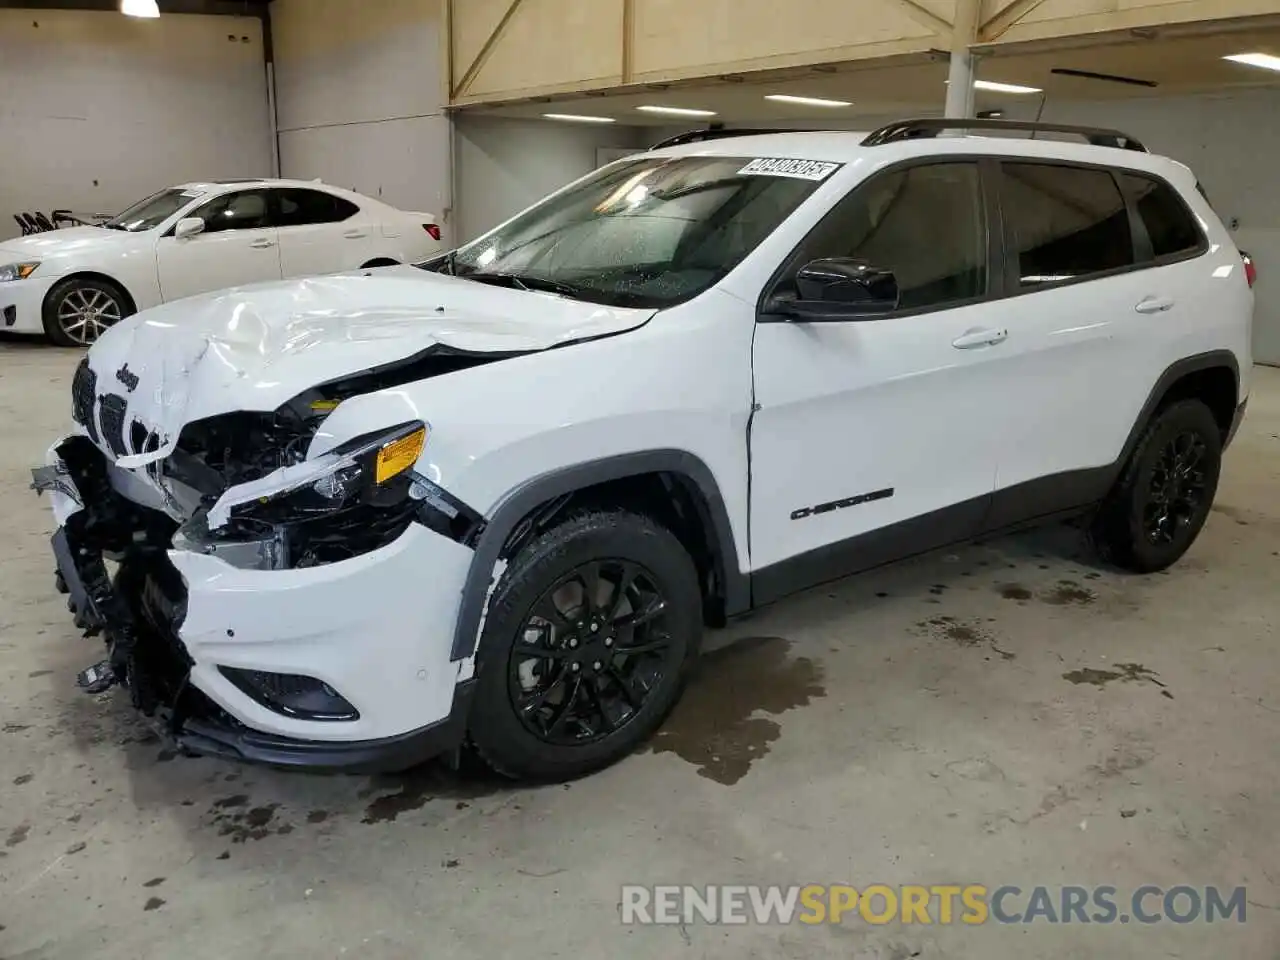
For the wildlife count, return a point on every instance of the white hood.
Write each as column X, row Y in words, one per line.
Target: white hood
column 254, row 348
column 55, row 243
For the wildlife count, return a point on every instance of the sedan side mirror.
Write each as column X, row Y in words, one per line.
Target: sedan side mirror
column 841, row 288
column 188, row 227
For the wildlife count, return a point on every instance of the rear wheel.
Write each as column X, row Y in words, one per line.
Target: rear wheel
column 79, row 309
column 586, row 646
column 1163, row 497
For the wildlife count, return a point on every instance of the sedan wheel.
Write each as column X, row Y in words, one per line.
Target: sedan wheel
column 79, row 311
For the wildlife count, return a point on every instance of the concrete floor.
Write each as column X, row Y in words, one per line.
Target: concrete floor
column 916, row 725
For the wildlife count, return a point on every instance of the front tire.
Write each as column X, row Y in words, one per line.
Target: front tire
column 79, row 309
column 1163, row 497
column 586, row 646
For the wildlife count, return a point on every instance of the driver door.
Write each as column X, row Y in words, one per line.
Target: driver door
column 238, row 246
column 874, row 439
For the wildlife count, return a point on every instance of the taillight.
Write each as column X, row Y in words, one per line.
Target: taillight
column 1250, row 269
column 433, row 231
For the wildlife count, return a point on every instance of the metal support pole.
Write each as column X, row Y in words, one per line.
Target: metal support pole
column 960, row 83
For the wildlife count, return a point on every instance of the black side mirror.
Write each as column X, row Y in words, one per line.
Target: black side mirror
column 841, row 288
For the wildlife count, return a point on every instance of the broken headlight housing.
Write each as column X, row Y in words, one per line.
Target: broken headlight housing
column 348, row 501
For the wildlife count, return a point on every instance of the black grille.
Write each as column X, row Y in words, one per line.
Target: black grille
column 111, row 412
column 83, row 386
column 293, row 695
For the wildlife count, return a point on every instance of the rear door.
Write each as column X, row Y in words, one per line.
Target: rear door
column 321, row 233
column 1089, row 315
column 238, row 246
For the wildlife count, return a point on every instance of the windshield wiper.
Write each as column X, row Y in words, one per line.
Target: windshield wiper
column 524, row 281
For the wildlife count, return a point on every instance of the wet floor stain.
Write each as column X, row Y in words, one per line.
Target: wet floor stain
column 17, row 835
column 153, row 903
column 1014, row 591
column 1069, row 593
column 239, row 824
column 154, row 882
column 15, row 727
column 414, row 789
column 717, row 727
column 20, row 780
column 1123, row 672
column 38, row 673
column 964, row 633
column 317, row 816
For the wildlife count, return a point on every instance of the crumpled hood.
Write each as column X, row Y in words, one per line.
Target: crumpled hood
column 254, row 348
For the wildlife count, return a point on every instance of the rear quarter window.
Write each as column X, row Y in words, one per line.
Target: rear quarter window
column 1172, row 227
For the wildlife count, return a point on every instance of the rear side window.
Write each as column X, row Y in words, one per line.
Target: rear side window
column 300, row 208
column 1171, row 226
column 1063, row 223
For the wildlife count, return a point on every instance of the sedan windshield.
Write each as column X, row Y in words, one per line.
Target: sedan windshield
column 650, row 232
column 153, row 211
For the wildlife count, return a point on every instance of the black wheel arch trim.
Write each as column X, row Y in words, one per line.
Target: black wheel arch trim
column 1172, row 374
column 527, row 497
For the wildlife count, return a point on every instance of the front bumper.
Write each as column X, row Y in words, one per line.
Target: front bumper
column 22, row 304
column 376, row 628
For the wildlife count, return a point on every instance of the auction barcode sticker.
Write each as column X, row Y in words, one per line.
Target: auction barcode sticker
column 786, row 167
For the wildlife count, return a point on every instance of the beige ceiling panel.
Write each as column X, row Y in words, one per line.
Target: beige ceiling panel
column 546, row 44
column 1063, row 18
column 676, row 38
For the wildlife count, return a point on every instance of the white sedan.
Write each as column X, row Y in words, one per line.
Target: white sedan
column 72, row 284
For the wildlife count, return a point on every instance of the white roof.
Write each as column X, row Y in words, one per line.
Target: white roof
column 843, row 146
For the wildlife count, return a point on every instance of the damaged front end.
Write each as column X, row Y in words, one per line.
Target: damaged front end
column 242, row 489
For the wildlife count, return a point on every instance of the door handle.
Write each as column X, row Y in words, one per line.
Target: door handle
column 262, row 243
column 355, row 234
column 979, row 338
column 1154, row 305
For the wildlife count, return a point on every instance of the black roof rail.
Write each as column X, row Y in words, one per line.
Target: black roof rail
column 931, row 127
column 697, row 136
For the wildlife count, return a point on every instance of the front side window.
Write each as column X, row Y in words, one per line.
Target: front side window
column 650, row 232
column 1170, row 225
column 154, row 210
column 1063, row 223
column 246, row 210
column 925, row 223
column 299, row 208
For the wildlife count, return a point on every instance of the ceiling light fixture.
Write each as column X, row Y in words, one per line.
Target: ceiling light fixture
column 140, row 8
column 806, row 101
column 578, row 118
column 1004, row 87
column 678, row 111
column 1264, row 60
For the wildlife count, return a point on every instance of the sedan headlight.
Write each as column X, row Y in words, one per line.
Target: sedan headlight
column 18, row 271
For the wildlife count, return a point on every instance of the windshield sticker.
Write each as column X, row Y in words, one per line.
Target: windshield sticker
column 784, row 167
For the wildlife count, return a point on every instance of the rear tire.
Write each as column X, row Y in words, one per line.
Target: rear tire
column 79, row 309
column 558, row 695
column 1157, row 508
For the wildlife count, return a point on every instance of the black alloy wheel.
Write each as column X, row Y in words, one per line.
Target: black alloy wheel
column 591, row 652
column 1177, row 489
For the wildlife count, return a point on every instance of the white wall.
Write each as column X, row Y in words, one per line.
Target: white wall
column 504, row 165
column 359, row 98
column 98, row 110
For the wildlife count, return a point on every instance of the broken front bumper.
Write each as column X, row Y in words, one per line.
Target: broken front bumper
column 220, row 653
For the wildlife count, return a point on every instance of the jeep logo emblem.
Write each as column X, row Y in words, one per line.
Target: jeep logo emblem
column 127, row 377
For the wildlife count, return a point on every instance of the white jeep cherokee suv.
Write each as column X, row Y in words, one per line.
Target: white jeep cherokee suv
column 358, row 520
